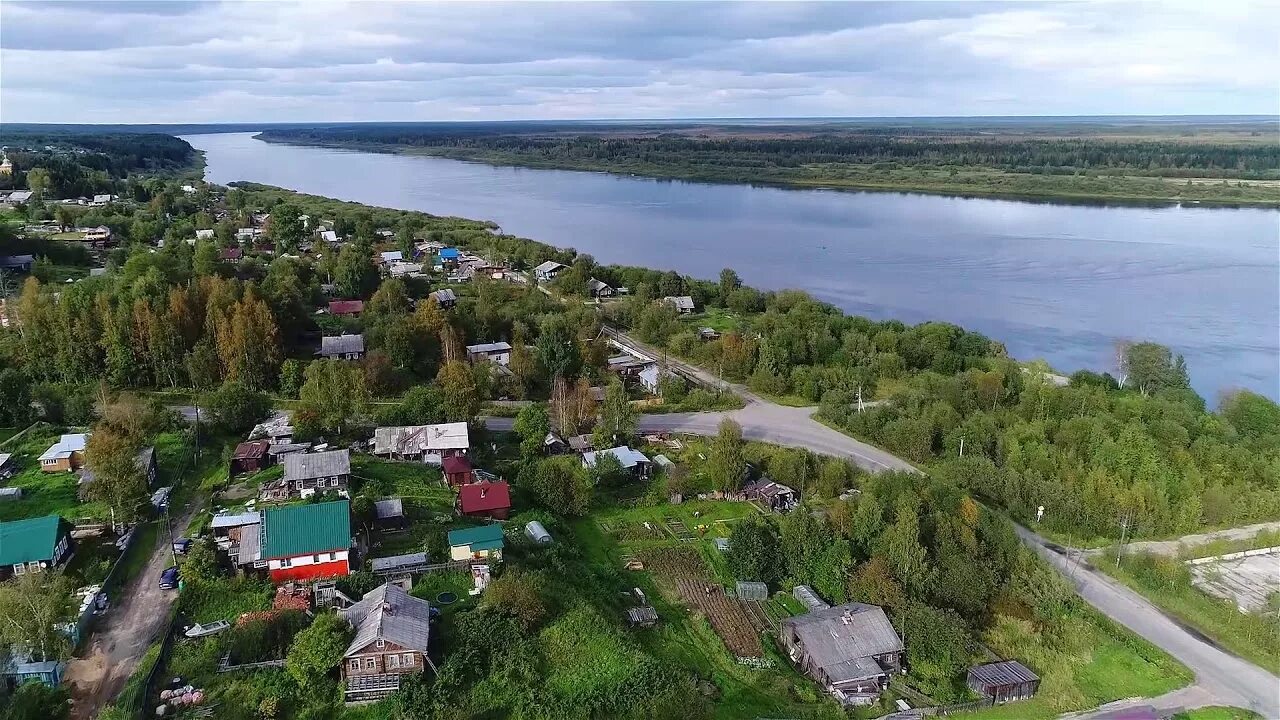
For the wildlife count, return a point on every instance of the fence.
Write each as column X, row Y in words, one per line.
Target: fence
column 18, row 435
column 225, row 666
column 87, row 619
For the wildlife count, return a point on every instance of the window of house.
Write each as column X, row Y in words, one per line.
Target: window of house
column 284, row 562
column 299, row 484
column 333, row 482
column 370, row 664
column 355, row 664
column 407, row 659
column 333, row 556
column 19, row 569
column 393, row 661
column 315, row 559
column 381, row 642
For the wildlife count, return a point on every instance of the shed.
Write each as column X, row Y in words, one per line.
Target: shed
column 445, row 298
column 537, row 533
column 749, row 590
column 663, row 461
column 722, row 544
column 389, row 511
column 809, row 598
column 457, row 470
column 346, row 307
column 476, row 543
column 12, row 493
column 250, row 456
column 645, row 616
column 399, row 564
column 1004, row 681
column 485, row 499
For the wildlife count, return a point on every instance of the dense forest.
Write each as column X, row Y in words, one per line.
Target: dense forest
column 69, row 165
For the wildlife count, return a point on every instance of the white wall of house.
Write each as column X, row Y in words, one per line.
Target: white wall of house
column 304, row 560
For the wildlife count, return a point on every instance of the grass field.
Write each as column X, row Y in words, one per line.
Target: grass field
column 1218, row 712
column 1166, row 582
column 44, row 493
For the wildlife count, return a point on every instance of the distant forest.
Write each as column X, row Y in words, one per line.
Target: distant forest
column 76, row 164
column 749, row 150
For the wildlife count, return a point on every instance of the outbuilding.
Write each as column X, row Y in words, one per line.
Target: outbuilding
column 1004, row 681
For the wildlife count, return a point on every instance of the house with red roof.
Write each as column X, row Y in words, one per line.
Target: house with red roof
column 346, row 307
column 485, row 499
column 457, row 470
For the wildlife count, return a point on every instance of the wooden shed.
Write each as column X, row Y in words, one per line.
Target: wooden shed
column 1004, row 681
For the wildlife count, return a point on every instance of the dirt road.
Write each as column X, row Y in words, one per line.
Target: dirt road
column 136, row 620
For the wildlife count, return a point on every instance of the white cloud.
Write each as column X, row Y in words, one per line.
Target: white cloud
column 277, row 61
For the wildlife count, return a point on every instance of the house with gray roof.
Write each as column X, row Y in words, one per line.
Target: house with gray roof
column 682, row 303
column 342, row 347
column 392, row 633
column 306, row 474
column 547, row 271
column 850, row 650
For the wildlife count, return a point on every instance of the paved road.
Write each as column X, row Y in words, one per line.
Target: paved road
column 1173, row 547
column 136, row 620
column 1221, row 678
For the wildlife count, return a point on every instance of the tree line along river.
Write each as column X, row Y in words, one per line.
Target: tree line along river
column 1054, row 281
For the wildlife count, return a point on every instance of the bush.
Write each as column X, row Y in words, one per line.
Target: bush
column 266, row 638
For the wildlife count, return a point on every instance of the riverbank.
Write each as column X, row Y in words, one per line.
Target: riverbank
column 951, row 181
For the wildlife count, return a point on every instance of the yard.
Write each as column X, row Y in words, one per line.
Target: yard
column 44, row 493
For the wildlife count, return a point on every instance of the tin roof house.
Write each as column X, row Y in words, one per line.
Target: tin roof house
column 34, row 544
column 850, row 650
column 392, row 635
column 305, row 542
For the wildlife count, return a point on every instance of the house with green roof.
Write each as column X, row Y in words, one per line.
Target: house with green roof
column 476, row 543
column 34, row 544
column 304, row 542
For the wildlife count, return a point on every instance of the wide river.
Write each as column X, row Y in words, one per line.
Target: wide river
column 1052, row 281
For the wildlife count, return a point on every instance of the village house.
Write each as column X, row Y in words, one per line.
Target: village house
column 306, row 542
column 389, row 514
column 682, row 303
column 498, row 353
column 457, row 470
column 277, row 429
column 65, row 455
column 599, row 289
column 476, row 543
column 231, row 254
column 100, row 200
column 707, row 334
column 204, row 234
column 448, row 256
column 21, row 263
column 329, row 236
column 391, row 256
column 229, row 529
column 775, row 496
column 342, row 347
column 428, row 443
column 547, row 271
column 251, row 456
column 484, row 499
column 34, row 545
column 633, row 461
column 246, row 234
column 1003, row 682
column 306, row 474
column 392, row 630
column 404, row 269
column 444, row 298
column 850, row 650
column 22, row 668
column 100, row 235
column 346, row 308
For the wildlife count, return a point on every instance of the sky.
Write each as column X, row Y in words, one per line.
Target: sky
column 171, row 62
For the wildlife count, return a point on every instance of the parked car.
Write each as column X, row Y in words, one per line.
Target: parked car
column 182, row 545
column 169, row 578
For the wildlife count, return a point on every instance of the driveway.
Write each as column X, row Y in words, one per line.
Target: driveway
column 137, row 619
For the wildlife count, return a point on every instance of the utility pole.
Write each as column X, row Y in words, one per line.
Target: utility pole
column 961, row 446
column 1124, row 528
column 860, row 405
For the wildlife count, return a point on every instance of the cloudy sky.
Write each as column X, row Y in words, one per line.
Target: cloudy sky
column 321, row 61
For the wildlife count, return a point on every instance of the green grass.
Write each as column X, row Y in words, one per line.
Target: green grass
column 224, row 599
column 44, row 493
column 1091, row 662
column 1166, row 582
column 8, row 432
column 146, row 539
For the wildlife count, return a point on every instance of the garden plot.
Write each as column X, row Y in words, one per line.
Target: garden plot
column 681, row 573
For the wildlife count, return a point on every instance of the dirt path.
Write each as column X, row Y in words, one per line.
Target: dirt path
column 136, row 620
column 1175, row 546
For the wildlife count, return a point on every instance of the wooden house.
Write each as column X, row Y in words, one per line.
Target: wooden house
column 850, row 650
column 498, row 353
column 1004, row 681
column 65, row 455
column 547, row 271
column 445, row 298
column 428, row 443
column 306, row 542
column 476, row 543
column 342, row 347
column 392, row 632
column 636, row 463
column 34, row 545
column 348, row 308
column 251, row 456
column 484, row 499
column 600, row 289
column 306, row 474
column 457, row 470
column 682, row 303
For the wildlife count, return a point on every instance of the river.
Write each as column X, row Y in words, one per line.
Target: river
column 1053, row 281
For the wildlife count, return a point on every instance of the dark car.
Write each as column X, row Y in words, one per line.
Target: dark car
column 169, row 578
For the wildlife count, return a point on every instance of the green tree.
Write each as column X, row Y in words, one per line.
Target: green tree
column 354, row 272
column 559, row 484
column 726, row 463
column 532, row 425
column 317, row 651
column 556, row 349
column 334, row 392
column 119, row 480
column 285, row 229
column 15, row 398
column 33, row 700
column 32, row 606
column 607, row 470
column 618, row 420
column 202, row 561
column 236, row 408
column 460, row 399
column 1153, row 367
column 292, row 375
column 901, row 548
column 754, row 551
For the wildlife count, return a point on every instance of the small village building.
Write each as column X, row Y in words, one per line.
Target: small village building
column 399, row 565
column 707, row 334
column 682, row 303
column 276, row 429
column 34, row 545
column 498, row 353
column 392, row 635
column 600, row 289
column 306, row 542
column 98, row 235
column 748, row 590
column 99, row 200
column 342, row 347
column 809, row 598
column 251, row 456
column 230, row 254
column 445, row 298
column 548, row 270
column 65, row 455
column 146, row 460
column 347, row 308
column 392, row 256
column 1003, row 682
column 204, row 234
column 457, row 470
column 20, row 263
column 306, row 474
column 581, row 443
column 389, row 513
column 448, row 256
column 644, row 616
column 476, row 543
column 537, row 533
column 231, row 527
column 404, row 269
column 552, row 444
column 633, row 461
column 20, row 670
column 485, row 499
column 329, row 236
column 428, row 443
column 850, row 650
column 246, row 234
column 775, row 496
column 5, row 468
